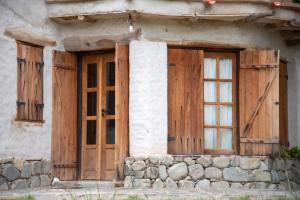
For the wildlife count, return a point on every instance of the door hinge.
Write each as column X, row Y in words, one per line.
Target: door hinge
column 171, row 138
column 21, row 60
column 171, row 65
column 20, row 103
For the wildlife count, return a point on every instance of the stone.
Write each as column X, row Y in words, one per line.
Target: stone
column 2, row 180
column 36, row 167
column 202, row 184
column 178, row 158
column 189, row 161
column 188, row 178
column 158, row 184
column 45, row 167
column 167, row 160
column 259, row 175
column 128, row 182
column 26, row 173
column 139, row 174
column 141, row 183
column 18, row 163
column 289, row 164
column 220, row 185
column 129, row 160
column 178, row 171
column 154, row 159
column 196, row 171
column 260, row 185
column 35, row 181
column 282, row 175
column 6, row 160
column 3, row 187
column 45, row 180
column 221, row 162
column 140, row 157
column 235, row 161
column 213, row 173
column 170, row 183
column 20, row 184
column 249, row 163
column 10, row 172
column 278, row 164
column 283, row 186
column 272, row 187
column 263, row 166
column 274, row 177
column 249, row 186
column 236, row 174
column 162, row 171
column 205, row 161
column 185, row 184
column 236, row 185
column 127, row 170
column 152, row 172
column 138, row 165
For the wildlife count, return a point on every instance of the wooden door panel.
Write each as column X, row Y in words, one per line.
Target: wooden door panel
column 64, row 113
column 185, row 98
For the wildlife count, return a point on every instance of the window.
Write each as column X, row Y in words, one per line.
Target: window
column 29, row 82
column 219, row 102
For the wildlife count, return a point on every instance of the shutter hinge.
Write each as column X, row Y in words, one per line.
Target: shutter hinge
column 171, row 65
column 40, row 105
column 20, row 60
column 20, row 103
column 171, row 138
column 40, row 65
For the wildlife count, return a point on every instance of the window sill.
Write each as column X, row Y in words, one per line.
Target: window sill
column 37, row 122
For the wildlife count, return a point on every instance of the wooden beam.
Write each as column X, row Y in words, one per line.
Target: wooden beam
column 20, row 34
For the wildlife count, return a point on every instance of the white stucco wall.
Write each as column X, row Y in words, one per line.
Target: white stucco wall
column 148, row 98
column 22, row 139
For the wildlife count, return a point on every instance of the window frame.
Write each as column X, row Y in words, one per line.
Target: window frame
column 217, row 80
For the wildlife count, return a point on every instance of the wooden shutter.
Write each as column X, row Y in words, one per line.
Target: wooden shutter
column 185, row 101
column 29, row 82
column 64, row 113
column 122, row 98
column 259, row 102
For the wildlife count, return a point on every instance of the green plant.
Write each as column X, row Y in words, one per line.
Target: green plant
column 243, row 198
column 286, row 153
column 134, row 197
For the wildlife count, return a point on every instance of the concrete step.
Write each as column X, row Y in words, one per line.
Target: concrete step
column 83, row 184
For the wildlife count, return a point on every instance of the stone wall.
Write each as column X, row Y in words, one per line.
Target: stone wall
column 208, row 171
column 21, row 174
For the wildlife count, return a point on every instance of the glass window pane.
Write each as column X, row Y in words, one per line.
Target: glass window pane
column 210, row 68
column 110, row 102
column 91, row 132
column 225, row 68
column 210, row 115
column 91, row 104
column 226, row 115
column 110, row 73
column 225, row 92
column 110, row 131
column 226, row 138
column 92, row 75
column 210, row 138
column 210, row 92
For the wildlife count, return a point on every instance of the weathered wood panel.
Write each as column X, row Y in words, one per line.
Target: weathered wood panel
column 283, row 102
column 185, row 101
column 64, row 116
column 122, row 108
column 29, row 82
column 258, row 102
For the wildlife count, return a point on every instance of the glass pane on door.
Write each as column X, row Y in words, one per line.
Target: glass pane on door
column 91, row 103
column 110, row 74
column 110, row 102
column 92, row 75
column 110, row 131
column 91, row 132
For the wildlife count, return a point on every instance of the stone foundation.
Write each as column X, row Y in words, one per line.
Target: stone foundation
column 21, row 174
column 211, row 171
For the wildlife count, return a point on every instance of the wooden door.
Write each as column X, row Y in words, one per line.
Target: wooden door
column 185, row 101
column 64, row 116
column 98, row 117
column 283, row 101
column 259, row 102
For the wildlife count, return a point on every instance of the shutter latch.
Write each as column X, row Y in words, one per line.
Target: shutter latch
column 20, row 103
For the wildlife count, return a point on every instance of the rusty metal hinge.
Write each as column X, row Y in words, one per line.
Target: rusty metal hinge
column 21, row 60
column 40, row 105
column 172, row 65
column 20, row 103
column 171, row 138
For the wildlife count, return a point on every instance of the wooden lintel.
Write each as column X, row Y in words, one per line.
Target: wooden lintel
column 20, row 34
column 257, row 140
